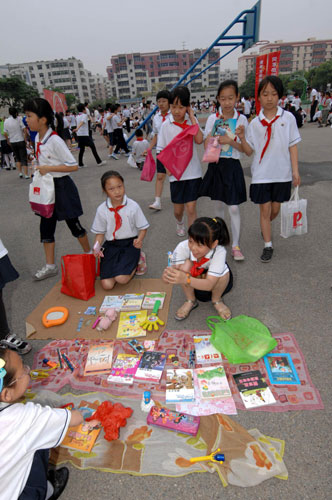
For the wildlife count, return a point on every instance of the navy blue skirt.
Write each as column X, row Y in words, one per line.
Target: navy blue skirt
column 7, row 271
column 185, row 191
column 120, row 258
column 224, row 181
column 67, row 200
column 206, row 295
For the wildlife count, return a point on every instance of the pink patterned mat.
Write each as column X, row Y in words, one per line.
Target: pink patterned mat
column 179, row 343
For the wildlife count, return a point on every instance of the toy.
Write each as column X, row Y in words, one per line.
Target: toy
column 59, row 356
column 112, row 417
column 91, row 311
column 55, row 316
column 96, row 322
column 136, row 346
column 68, row 362
column 153, row 321
column 147, row 402
column 173, row 420
column 106, row 321
column 191, row 362
column 215, row 457
column 169, row 259
column 80, row 324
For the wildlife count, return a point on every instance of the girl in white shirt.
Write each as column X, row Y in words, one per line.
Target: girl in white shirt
column 120, row 226
column 54, row 158
column 14, row 133
column 199, row 266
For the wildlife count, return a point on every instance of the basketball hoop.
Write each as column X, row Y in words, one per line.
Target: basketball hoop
column 260, row 43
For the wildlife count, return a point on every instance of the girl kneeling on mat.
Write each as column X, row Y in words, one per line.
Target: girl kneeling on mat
column 199, row 266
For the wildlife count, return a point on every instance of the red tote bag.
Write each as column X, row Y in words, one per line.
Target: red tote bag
column 149, row 167
column 177, row 154
column 78, row 275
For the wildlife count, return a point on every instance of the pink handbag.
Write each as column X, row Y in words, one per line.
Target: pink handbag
column 149, row 167
column 178, row 153
column 212, row 152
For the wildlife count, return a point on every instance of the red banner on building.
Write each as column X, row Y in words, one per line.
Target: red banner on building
column 267, row 64
column 56, row 100
column 273, row 63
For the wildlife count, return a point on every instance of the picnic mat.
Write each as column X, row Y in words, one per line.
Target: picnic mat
column 150, row 450
column 36, row 330
column 179, row 343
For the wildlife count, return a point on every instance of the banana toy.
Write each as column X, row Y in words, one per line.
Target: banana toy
column 153, row 321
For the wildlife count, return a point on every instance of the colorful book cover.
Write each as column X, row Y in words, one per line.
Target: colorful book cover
column 213, row 382
column 173, row 420
column 151, row 298
column 81, row 437
column 253, row 389
column 129, row 324
column 281, row 369
column 206, row 353
column 222, row 127
column 124, row 368
column 151, row 366
column 179, row 386
column 132, row 301
column 99, row 359
column 111, row 301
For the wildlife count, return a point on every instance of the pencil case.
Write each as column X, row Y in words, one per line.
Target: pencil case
column 173, row 420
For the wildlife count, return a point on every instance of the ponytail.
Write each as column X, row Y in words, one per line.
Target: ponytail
column 206, row 230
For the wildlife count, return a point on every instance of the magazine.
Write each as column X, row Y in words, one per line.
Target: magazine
column 223, row 127
column 132, row 301
column 281, row 369
column 124, row 368
column 111, row 301
column 180, row 386
column 206, row 353
column 212, row 382
column 151, row 298
column 81, row 437
column 99, row 359
column 151, row 366
column 129, row 324
column 253, row 389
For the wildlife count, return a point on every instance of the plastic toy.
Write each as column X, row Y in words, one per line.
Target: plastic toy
column 96, row 322
column 191, row 362
column 80, row 324
column 106, row 321
column 112, row 417
column 153, row 321
column 147, row 402
column 55, row 316
column 136, row 346
column 68, row 362
column 215, row 457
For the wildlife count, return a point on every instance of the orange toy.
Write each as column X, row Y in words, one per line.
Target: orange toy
column 112, row 417
column 55, row 316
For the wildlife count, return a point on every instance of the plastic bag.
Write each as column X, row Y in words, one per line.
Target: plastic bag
column 241, row 339
column 42, row 195
column 78, row 276
column 294, row 216
column 149, row 167
column 177, row 154
column 131, row 161
column 212, row 152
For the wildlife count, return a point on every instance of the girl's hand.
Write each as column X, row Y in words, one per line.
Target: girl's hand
column 224, row 139
column 296, row 179
column 191, row 113
column 43, row 169
column 240, row 132
column 137, row 243
column 174, row 276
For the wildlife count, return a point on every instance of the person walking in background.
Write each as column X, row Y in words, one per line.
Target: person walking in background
column 14, row 133
column 84, row 139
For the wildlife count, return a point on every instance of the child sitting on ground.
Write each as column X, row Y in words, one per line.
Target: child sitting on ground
column 139, row 148
column 27, row 431
column 199, row 266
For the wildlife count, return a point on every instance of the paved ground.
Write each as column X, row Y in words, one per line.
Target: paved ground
column 292, row 293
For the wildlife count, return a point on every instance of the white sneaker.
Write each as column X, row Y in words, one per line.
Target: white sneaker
column 16, row 343
column 82, row 166
column 180, row 229
column 45, row 272
column 101, row 163
column 156, row 205
column 114, row 156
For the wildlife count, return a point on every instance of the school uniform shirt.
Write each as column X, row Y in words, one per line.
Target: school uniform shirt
column 54, row 151
column 296, row 103
column 115, row 122
column 158, row 120
column 276, row 164
column 133, row 220
column 139, row 147
column 73, row 121
column 3, row 250
column 168, row 131
column 247, row 107
column 24, row 429
column 240, row 120
column 215, row 266
column 108, row 123
column 84, row 129
column 14, row 129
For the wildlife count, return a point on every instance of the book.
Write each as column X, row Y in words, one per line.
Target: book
column 151, row 298
column 124, row 368
column 253, row 389
column 111, row 301
column 281, row 369
column 81, row 437
column 212, row 382
column 99, row 359
column 129, row 325
column 151, row 366
column 173, row 420
column 222, row 127
column 205, row 352
column 179, row 386
column 132, row 301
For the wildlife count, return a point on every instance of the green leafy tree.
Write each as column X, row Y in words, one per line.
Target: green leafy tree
column 320, row 76
column 70, row 100
column 248, row 87
column 14, row 92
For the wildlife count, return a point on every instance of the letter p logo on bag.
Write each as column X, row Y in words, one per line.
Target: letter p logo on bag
column 297, row 216
column 36, row 190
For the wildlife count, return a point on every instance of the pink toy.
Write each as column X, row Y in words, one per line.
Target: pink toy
column 106, row 321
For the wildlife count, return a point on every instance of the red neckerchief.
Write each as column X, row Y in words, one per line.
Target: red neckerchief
column 268, row 126
column 164, row 116
column 183, row 125
column 117, row 216
column 139, row 138
column 195, row 271
column 41, row 142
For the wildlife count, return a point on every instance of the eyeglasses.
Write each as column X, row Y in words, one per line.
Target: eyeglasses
column 26, row 371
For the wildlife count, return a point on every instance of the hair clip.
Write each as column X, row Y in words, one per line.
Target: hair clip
column 2, row 372
column 215, row 220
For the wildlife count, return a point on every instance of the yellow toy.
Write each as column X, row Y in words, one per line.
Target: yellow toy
column 153, row 321
column 55, row 316
column 215, row 457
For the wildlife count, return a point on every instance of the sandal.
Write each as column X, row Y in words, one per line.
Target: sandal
column 142, row 267
column 223, row 311
column 193, row 303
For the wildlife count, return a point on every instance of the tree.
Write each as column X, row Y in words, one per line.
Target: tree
column 70, row 100
column 14, row 92
column 320, row 76
column 248, row 87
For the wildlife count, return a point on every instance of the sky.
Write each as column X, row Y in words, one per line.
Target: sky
column 94, row 31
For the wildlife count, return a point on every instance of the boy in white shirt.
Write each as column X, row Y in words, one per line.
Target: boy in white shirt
column 140, row 147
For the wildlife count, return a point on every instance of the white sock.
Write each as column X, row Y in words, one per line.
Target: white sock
column 50, row 490
column 181, row 222
column 89, row 252
column 219, row 208
column 7, row 160
column 268, row 244
column 234, row 213
column 50, row 266
column 157, row 199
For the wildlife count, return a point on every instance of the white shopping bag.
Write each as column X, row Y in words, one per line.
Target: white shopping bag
column 41, row 194
column 131, row 161
column 294, row 216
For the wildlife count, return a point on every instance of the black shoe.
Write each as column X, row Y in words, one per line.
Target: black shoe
column 59, row 479
column 267, row 254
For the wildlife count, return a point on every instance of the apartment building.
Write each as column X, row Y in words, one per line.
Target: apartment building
column 101, row 88
column 137, row 74
column 295, row 56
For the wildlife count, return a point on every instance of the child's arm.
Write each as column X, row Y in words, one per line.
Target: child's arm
column 295, row 165
column 198, row 138
column 99, row 238
column 240, row 132
column 45, row 169
column 181, row 277
column 153, row 141
column 76, row 418
column 139, row 240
